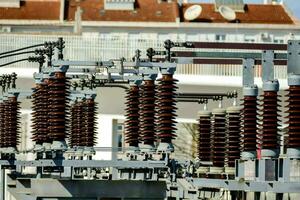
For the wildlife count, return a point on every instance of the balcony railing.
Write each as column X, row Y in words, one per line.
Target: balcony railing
column 280, row 72
column 105, row 47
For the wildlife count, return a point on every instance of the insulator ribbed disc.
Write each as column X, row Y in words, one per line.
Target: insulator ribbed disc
column 58, row 109
column 204, row 130
column 233, row 132
column 132, row 122
column 11, row 123
column 294, row 117
column 166, row 108
column 147, row 112
column 40, row 113
column 218, row 140
column 89, row 121
column 268, row 128
column 249, row 124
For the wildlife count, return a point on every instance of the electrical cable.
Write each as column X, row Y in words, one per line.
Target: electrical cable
column 16, row 54
column 21, row 49
column 16, row 61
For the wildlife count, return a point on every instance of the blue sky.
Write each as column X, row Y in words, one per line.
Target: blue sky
column 293, row 5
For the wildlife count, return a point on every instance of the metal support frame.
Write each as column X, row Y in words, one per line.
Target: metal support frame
column 250, row 186
column 87, row 189
column 251, row 175
column 120, row 164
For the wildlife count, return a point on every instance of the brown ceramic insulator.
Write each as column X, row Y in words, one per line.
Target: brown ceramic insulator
column 40, row 114
column 89, row 123
column 293, row 117
column 58, row 110
column 11, row 122
column 249, row 124
column 35, row 114
column 268, row 128
column 76, row 124
column 2, row 132
column 147, row 112
column 233, row 131
column 166, row 108
column 218, row 139
column 204, row 129
column 132, row 121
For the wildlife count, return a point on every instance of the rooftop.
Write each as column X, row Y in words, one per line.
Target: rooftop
column 33, row 10
column 144, row 11
column 254, row 13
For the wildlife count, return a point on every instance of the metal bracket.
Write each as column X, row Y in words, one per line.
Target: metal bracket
column 293, row 57
column 134, row 79
column 267, row 65
column 248, row 72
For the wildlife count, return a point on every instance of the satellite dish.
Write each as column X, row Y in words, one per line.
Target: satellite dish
column 227, row 13
column 192, row 12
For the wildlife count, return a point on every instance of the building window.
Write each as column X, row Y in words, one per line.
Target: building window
column 250, row 39
column 120, row 132
column 278, row 40
column 192, row 37
column 220, row 37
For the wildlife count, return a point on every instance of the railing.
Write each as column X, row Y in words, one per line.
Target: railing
column 280, row 72
column 104, row 47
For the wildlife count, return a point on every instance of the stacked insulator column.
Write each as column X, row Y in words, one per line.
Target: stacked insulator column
column 293, row 143
column 40, row 114
column 268, row 138
column 204, row 129
column 249, row 128
column 58, row 110
column 132, row 122
column 233, row 138
column 218, row 134
column 166, row 108
column 2, row 122
column 147, row 113
column 83, row 123
column 76, row 123
column 11, row 123
column 89, row 123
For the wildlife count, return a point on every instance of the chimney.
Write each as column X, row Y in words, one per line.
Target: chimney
column 160, row 1
column 10, row 3
column 271, row 2
column 119, row 4
column 62, row 11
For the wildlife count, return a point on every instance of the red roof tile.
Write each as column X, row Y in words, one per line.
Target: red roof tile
column 254, row 13
column 145, row 11
column 33, row 10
